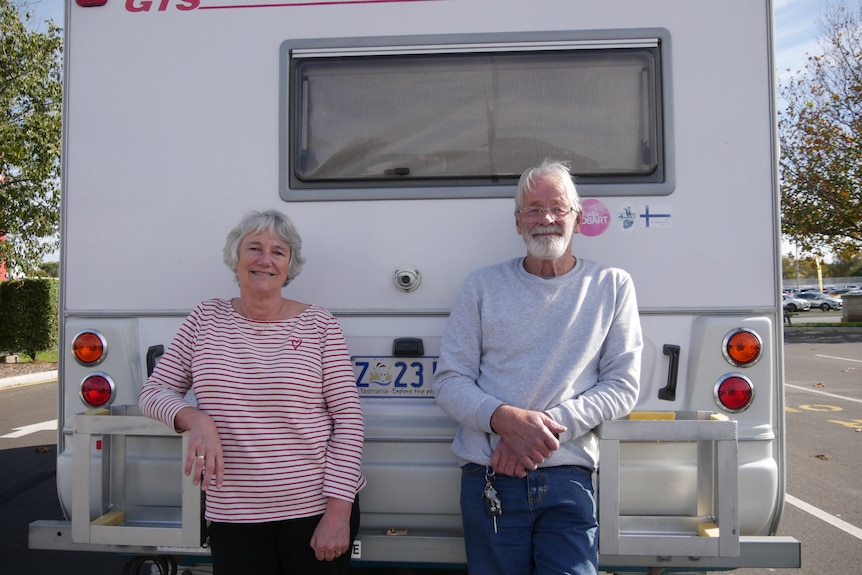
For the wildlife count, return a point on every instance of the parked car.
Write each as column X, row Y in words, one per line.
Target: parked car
column 794, row 304
column 820, row 300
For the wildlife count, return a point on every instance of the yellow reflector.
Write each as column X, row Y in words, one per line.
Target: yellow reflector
column 652, row 415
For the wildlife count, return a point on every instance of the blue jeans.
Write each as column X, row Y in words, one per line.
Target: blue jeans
column 548, row 525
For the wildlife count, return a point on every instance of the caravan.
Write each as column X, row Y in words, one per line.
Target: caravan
column 393, row 132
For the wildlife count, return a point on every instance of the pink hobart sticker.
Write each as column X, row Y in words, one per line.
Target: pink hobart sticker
column 596, row 218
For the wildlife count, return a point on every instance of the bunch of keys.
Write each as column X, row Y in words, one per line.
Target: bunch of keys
column 492, row 502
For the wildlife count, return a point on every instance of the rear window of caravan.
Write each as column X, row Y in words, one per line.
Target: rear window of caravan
column 456, row 119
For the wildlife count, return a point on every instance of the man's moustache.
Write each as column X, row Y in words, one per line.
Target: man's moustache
column 552, row 229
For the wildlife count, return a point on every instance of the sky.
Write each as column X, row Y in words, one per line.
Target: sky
column 796, row 27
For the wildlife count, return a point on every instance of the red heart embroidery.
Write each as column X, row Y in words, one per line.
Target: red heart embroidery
column 296, row 343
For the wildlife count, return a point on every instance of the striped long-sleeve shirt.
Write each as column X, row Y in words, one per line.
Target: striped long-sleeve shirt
column 283, row 397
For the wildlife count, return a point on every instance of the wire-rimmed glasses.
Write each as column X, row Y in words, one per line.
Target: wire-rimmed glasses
column 537, row 212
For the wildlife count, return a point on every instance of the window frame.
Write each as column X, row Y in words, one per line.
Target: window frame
column 291, row 188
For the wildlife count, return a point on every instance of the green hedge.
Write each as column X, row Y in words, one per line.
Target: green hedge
column 28, row 315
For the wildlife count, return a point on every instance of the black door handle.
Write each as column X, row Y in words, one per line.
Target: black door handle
column 668, row 392
column 153, row 354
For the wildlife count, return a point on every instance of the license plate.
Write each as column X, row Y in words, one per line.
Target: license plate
column 390, row 376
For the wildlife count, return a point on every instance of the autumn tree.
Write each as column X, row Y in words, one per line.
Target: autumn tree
column 803, row 268
column 30, row 120
column 820, row 126
column 846, row 267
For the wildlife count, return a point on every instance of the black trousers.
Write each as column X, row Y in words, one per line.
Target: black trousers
column 274, row 548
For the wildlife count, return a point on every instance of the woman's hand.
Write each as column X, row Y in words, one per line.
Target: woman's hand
column 331, row 538
column 204, row 459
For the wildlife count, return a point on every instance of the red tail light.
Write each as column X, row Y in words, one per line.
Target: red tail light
column 734, row 392
column 97, row 389
column 89, row 347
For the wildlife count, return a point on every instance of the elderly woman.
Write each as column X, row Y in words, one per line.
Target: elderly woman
column 276, row 433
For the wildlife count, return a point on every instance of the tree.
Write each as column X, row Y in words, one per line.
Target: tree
column 804, row 268
column 849, row 267
column 820, row 130
column 788, row 267
column 30, row 124
column 50, row 269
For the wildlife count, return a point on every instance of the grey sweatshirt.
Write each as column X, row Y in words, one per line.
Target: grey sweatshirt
column 569, row 346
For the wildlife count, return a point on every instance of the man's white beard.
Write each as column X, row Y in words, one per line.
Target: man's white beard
column 546, row 247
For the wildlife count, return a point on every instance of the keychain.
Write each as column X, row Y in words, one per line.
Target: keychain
column 492, row 502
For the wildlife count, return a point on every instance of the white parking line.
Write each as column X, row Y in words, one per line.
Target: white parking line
column 827, row 517
column 841, row 358
column 33, row 428
column 799, row 387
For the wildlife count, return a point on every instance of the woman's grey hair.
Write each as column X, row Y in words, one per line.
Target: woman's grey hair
column 554, row 170
column 279, row 226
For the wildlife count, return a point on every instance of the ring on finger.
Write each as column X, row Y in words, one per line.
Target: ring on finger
column 200, row 456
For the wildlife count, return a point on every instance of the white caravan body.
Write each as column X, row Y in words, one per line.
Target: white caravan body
column 392, row 133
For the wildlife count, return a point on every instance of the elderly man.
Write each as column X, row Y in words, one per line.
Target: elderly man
column 537, row 352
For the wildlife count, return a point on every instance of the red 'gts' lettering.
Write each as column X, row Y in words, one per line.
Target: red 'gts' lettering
column 161, row 5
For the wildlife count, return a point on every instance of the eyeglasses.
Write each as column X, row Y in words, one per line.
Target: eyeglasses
column 535, row 212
